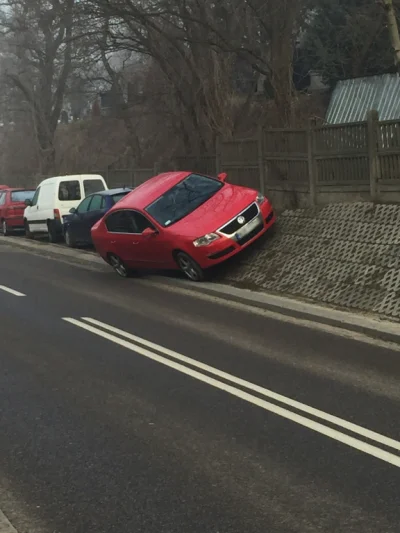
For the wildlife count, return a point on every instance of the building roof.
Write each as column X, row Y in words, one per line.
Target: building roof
column 352, row 99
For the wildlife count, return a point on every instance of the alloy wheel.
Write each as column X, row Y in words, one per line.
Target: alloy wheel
column 189, row 267
column 118, row 266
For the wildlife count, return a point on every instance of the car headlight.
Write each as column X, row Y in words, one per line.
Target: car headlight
column 206, row 239
column 260, row 199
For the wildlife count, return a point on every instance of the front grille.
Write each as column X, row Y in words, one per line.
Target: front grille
column 250, row 235
column 234, row 226
column 220, row 254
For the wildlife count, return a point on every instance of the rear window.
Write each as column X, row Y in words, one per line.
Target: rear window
column 69, row 191
column 21, row 196
column 117, row 197
column 92, row 186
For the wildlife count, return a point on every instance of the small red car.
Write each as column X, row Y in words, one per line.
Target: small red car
column 12, row 206
column 181, row 220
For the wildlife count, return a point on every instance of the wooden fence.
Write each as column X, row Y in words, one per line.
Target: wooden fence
column 296, row 167
column 346, row 162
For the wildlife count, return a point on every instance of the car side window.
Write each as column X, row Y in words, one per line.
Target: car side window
column 103, row 202
column 2, row 198
column 95, row 204
column 36, row 196
column 84, row 205
column 140, row 222
column 120, row 222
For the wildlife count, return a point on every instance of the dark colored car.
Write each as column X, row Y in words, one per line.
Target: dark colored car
column 77, row 225
column 12, row 206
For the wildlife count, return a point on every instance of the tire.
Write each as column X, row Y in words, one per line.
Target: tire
column 28, row 234
column 5, row 229
column 189, row 267
column 53, row 236
column 118, row 266
column 69, row 240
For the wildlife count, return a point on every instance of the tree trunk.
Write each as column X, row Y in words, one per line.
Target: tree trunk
column 393, row 30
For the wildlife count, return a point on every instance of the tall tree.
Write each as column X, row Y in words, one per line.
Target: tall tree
column 38, row 62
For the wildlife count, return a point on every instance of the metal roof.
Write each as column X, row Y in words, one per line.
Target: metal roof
column 352, row 99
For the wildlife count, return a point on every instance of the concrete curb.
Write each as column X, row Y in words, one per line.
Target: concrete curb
column 364, row 324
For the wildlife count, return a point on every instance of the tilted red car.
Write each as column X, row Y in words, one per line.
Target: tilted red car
column 181, row 220
column 12, row 206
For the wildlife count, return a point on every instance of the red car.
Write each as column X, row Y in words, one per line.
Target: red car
column 12, row 206
column 181, row 220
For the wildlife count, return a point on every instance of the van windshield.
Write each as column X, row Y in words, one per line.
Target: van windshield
column 92, row 186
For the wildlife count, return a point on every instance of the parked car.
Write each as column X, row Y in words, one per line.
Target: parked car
column 181, row 220
column 12, row 206
column 53, row 198
column 78, row 223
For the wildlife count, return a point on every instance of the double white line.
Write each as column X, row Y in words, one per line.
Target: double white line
column 231, row 385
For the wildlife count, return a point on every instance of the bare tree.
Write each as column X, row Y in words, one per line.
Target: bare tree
column 38, row 63
column 393, row 30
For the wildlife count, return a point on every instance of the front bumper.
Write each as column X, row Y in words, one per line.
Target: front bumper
column 228, row 246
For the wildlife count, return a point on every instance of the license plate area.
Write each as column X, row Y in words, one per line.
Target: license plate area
column 248, row 228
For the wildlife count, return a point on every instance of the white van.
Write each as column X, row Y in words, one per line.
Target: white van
column 54, row 198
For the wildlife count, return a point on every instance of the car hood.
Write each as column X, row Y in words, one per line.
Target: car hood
column 219, row 209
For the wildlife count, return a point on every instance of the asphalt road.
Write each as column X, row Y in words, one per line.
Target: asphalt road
column 126, row 407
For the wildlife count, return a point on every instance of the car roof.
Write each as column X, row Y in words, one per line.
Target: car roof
column 150, row 190
column 111, row 192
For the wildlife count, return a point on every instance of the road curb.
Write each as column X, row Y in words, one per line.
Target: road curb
column 364, row 324
column 368, row 325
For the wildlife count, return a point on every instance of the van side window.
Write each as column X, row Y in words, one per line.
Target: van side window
column 69, row 191
column 36, row 196
column 92, row 186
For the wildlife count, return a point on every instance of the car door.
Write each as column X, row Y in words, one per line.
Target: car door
column 94, row 213
column 77, row 221
column 120, row 232
column 33, row 215
column 149, row 250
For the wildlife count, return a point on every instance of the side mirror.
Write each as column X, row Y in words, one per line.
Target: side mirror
column 28, row 203
column 222, row 176
column 149, row 232
column 72, row 210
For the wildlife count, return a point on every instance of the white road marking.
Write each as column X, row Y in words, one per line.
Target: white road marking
column 372, row 435
column 280, row 411
column 11, row 291
column 5, row 525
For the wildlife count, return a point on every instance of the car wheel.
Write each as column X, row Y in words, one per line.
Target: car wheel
column 118, row 266
column 69, row 240
column 53, row 237
column 189, row 267
column 28, row 234
column 5, row 228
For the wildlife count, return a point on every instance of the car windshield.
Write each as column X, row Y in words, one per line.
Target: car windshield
column 21, row 196
column 117, row 197
column 183, row 199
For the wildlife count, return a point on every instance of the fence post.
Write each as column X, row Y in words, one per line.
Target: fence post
column 157, row 168
column 218, row 154
column 261, row 163
column 373, row 153
column 312, row 168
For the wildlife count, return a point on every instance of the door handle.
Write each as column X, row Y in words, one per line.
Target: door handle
column 135, row 242
column 113, row 242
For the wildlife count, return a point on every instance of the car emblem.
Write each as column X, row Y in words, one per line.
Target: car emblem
column 241, row 220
